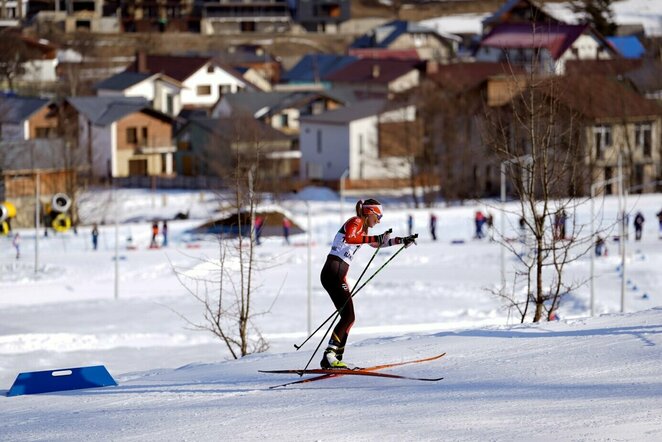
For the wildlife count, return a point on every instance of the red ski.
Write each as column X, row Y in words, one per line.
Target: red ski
column 367, row 371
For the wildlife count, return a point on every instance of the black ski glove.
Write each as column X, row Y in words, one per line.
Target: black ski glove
column 408, row 240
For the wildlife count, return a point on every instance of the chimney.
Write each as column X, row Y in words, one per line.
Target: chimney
column 141, row 62
column 375, row 71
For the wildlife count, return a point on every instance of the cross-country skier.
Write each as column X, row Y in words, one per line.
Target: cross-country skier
column 347, row 241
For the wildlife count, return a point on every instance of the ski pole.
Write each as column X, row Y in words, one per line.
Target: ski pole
column 357, row 282
column 337, row 313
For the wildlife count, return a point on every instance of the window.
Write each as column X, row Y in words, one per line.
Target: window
column 284, row 120
column 642, row 138
column 43, row 132
column 131, row 135
column 319, row 141
column 204, row 89
column 143, row 135
column 602, row 136
column 170, row 104
column 210, row 69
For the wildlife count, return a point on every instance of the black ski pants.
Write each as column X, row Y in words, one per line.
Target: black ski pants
column 334, row 281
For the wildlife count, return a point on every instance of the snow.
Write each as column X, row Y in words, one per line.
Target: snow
column 647, row 13
column 579, row 378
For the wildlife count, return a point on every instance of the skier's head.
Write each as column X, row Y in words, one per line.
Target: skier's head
column 370, row 210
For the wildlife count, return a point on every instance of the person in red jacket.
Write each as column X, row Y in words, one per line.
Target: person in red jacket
column 349, row 239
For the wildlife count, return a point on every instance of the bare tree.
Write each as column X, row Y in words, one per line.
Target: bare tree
column 227, row 295
column 14, row 53
column 540, row 145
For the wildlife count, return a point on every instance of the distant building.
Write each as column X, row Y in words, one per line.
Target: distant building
column 204, row 80
column 320, row 15
column 371, row 139
column 125, row 136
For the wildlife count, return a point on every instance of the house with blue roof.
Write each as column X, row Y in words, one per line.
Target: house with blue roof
column 314, row 69
column 405, row 40
column 628, row 46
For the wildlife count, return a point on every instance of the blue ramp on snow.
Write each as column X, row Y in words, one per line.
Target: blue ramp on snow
column 34, row 382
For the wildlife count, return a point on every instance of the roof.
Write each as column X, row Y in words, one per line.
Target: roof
column 599, row 96
column 258, row 104
column 123, row 80
column 461, row 77
column 374, row 71
column 519, row 9
column 383, row 36
column 349, row 113
column 227, row 127
column 103, row 111
column 177, row 67
column 556, row 38
column 14, row 110
column 648, row 77
column 316, row 67
column 628, row 46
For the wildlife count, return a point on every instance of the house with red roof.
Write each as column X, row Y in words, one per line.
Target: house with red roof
column 379, row 76
column 544, row 47
column 204, row 79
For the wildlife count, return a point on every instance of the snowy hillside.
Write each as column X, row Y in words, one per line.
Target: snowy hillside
column 580, row 378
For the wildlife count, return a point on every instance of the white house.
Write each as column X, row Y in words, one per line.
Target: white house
column 550, row 45
column 204, row 80
column 162, row 91
column 348, row 139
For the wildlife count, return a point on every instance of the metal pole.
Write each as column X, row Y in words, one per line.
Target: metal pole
column 117, row 258
column 621, row 209
column 503, row 225
column 593, row 249
column 344, row 175
column 37, row 214
column 310, row 278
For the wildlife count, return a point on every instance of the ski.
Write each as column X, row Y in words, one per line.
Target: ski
column 330, row 373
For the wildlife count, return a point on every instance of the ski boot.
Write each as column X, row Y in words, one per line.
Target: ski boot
column 332, row 358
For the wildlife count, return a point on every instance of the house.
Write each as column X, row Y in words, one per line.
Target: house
column 12, row 12
column 124, row 135
column 209, row 146
column 156, row 15
column 616, row 121
column 372, row 140
column 280, row 110
column 518, row 12
column 374, row 76
column 99, row 16
column 405, row 40
column 628, row 46
column 204, row 80
column 26, row 118
column 320, row 15
column 314, row 69
column 265, row 16
column 163, row 92
column 544, row 47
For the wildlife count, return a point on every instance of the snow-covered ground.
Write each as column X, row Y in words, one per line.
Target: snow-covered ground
column 647, row 13
column 580, row 378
